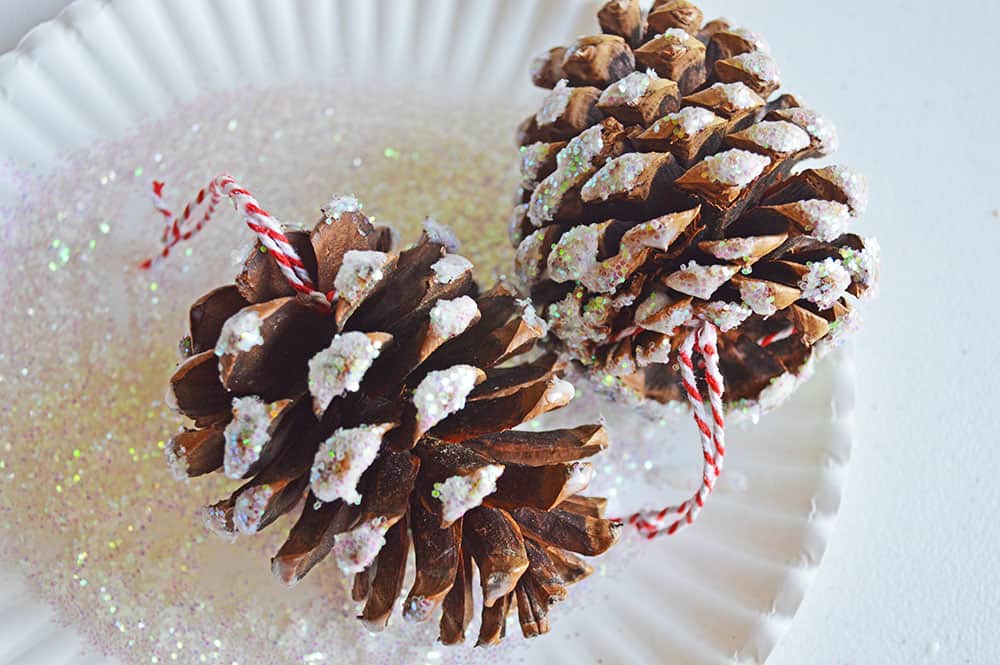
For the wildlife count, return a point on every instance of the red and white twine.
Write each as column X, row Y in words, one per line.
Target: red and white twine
column 712, row 431
column 268, row 229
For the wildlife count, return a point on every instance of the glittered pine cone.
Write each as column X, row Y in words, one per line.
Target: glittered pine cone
column 661, row 187
column 388, row 422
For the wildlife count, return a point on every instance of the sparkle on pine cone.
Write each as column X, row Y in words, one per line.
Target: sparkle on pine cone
column 387, row 421
column 691, row 129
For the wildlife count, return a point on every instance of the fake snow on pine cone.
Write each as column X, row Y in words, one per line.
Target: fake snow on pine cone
column 388, row 423
column 662, row 186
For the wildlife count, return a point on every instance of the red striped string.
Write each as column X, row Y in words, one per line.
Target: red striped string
column 711, row 430
column 268, row 229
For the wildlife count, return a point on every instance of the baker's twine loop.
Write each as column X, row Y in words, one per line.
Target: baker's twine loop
column 701, row 341
column 268, row 229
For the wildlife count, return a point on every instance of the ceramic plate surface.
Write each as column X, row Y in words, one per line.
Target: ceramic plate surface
column 111, row 93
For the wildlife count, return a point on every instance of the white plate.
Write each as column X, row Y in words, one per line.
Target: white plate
column 723, row 591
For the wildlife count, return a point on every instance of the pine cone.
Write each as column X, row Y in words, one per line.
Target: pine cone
column 392, row 417
column 659, row 189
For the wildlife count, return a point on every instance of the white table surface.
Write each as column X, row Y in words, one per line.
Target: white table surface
column 913, row 573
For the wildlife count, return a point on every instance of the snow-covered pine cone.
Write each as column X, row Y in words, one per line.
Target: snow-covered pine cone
column 389, row 423
column 660, row 188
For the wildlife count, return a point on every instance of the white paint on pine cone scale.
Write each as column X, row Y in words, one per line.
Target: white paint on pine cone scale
column 342, row 459
column 339, row 368
column 735, row 168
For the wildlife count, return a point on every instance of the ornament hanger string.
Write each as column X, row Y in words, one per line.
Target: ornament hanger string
column 268, row 229
column 712, row 430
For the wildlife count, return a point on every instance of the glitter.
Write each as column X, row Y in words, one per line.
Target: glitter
column 854, row 185
column 825, row 282
column 460, row 494
column 574, row 164
column 450, row 318
column 53, row 266
column 355, row 550
column 687, row 122
column 340, row 205
column 391, row 153
column 649, row 313
column 251, row 505
column 618, row 176
column 137, row 172
column 825, row 220
column 241, row 332
column 64, row 254
column 451, row 267
column 359, row 274
column 153, row 286
column 441, row 234
column 627, row 92
column 864, row 265
column 756, row 40
column 758, row 296
column 816, row 126
column 700, row 281
column 733, row 249
column 532, row 158
column 555, row 104
column 735, row 168
column 778, row 136
column 246, row 435
column 726, row 315
column 232, row 125
column 341, row 459
column 338, row 369
column 442, row 393
column 759, row 64
column 738, row 95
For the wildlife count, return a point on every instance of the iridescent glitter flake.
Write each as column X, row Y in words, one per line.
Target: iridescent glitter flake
column 726, row 315
column 733, row 249
column 555, row 104
column 676, row 36
column 575, row 254
column 442, row 393
column 817, row 126
column 700, row 281
column 532, row 158
column 629, row 91
column 759, row 64
column 241, row 332
column 618, row 176
column 687, row 122
column 825, row 282
column 450, row 318
column 574, row 164
column 779, row 136
column 214, row 520
column 852, row 183
column 531, row 319
column 359, row 274
column 758, row 296
column 339, row 368
column 451, row 267
column 441, row 234
column 527, row 260
column 864, row 265
column 246, row 434
column 758, row 42
column 355, row 550
column 648, row 314
column 460, row 494
column 342, row 459
column 735, row 168
column 340, row 205
column 825, row 220
column 250, row 507
column 738, row 95
column 174, row 454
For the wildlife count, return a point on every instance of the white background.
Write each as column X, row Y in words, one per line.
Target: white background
column 913, row 573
